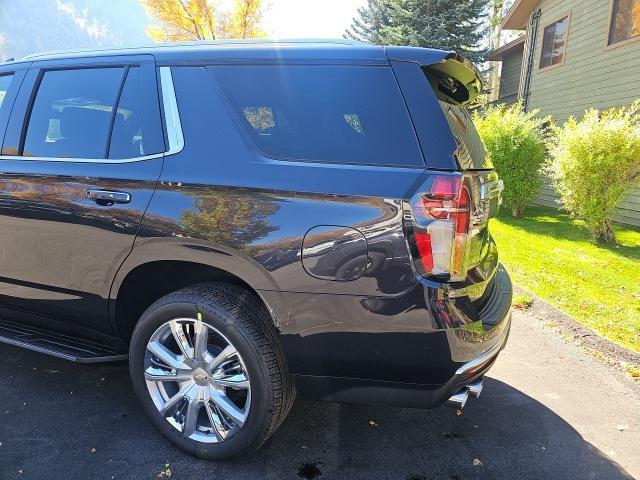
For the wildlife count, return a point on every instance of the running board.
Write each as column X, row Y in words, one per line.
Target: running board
column 58, row 344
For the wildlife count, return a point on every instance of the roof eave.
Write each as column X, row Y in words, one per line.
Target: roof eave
column 497, row 54
column 518, row 14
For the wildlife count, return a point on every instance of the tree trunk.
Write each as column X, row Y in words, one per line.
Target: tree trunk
column 604, row 233
column 517, row 211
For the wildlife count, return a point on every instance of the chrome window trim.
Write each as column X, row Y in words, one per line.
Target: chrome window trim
column 171, row 113
column 82, row 160
column 172, row 123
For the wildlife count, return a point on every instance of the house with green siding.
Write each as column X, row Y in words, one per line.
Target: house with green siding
column 573, row 55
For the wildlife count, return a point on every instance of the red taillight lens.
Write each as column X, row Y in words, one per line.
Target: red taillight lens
column 423, row 242
column 463, row 213
column 436, row 203
column 441, row 214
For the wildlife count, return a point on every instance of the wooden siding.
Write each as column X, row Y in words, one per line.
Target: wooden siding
column 628, row 212
column 510, row 74
column 593, row 76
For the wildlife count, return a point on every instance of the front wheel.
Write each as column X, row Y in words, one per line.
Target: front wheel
column 209, row 371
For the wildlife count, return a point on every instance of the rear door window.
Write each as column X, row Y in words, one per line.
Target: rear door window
column 335, row 114
column 71, row 115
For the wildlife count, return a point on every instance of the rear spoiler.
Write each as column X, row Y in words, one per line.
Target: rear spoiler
column 454, row 78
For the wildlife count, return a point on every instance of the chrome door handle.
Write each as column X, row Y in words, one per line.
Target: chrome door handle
column 108, row 197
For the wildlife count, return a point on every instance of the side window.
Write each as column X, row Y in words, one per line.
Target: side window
column 127, row 140
column 625, row 21
column 72, row 112
column 336, row 114
column 554, row 43
column 5, row 81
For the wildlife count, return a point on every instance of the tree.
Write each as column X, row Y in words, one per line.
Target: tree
column 459, row 27
column 244, row 20
column 182, row 20
column 371, row 21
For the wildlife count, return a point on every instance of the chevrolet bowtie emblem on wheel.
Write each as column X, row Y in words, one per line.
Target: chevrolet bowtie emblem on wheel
column 200, row 377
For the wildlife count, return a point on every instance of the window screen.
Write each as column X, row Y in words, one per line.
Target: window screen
column 554, row 43
column 338, row 114
column 625, row 20
column 5, row 81
column 71, row 115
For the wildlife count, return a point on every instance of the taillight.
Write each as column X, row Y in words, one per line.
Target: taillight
column 440, row 226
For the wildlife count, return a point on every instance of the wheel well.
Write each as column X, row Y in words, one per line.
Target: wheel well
column 147, row 283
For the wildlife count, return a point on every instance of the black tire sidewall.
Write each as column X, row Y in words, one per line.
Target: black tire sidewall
column 224, row 321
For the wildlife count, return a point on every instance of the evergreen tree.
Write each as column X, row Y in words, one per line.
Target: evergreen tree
column 370, row 22
column 458, row 26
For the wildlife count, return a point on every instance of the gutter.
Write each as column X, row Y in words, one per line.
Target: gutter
column 530, row 47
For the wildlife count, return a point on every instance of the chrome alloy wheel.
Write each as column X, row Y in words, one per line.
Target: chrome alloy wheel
column 197, row 380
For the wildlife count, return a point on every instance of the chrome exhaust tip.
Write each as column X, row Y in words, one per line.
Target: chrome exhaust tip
column 459, row 399
column 475, row 388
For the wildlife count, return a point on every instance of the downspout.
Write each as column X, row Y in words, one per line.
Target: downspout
column 532, row 35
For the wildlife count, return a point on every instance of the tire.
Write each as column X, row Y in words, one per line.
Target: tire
column 227, row 313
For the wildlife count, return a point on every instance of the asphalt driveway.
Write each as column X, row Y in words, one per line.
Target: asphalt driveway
column 548, row 410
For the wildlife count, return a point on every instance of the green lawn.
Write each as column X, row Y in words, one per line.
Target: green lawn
column 553, row 256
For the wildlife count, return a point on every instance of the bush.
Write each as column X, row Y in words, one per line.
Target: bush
column 593, row 161
column 516, row 146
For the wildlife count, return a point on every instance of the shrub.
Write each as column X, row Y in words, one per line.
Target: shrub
column 593, row 161
column 516, row 146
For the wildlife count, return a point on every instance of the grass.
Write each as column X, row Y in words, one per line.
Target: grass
column 554, row 257
column 522, row 301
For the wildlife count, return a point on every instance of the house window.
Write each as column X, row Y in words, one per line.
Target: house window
column 554, row 43
column 625, row 21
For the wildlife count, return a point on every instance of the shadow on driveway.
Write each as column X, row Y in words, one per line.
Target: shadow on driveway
column 52, row 413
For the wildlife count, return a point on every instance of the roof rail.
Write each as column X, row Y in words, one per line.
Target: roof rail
column 203, row 43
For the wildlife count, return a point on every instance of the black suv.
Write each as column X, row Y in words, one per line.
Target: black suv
column 242, row 221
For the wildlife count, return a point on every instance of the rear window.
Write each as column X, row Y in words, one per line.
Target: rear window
column 335, row 114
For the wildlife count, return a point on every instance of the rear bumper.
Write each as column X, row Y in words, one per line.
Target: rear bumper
column 414, row 350
column 352, row 390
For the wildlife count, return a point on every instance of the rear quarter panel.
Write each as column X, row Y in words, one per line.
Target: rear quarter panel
column 252, row 213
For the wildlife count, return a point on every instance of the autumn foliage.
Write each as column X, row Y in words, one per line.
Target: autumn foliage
column 183, row 20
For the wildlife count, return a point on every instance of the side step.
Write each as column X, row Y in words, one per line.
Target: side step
column 58, row 344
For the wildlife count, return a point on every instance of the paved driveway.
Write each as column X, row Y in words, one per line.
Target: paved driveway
column 548, row 411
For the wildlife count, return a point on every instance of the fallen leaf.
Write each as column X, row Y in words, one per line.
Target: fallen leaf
column 165, row 473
